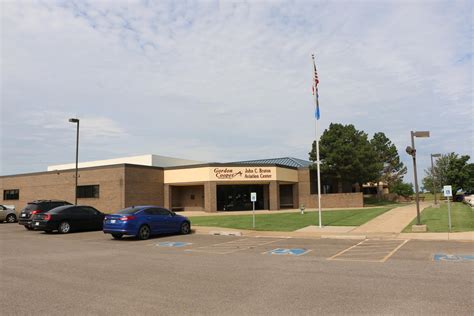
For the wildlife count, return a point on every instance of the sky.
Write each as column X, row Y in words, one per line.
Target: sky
column 220, row 81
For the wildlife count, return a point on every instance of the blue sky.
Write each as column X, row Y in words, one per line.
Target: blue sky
column 226, row 81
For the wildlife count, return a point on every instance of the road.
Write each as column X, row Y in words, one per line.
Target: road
column 91, row 274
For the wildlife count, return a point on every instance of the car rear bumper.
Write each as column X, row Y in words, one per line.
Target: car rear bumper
column 25, row 221
column 39, row 225
column 119, row 231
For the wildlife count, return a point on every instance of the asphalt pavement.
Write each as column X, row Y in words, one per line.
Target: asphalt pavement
column 91, row 274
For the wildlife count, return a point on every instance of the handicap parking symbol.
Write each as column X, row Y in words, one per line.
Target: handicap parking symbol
column 289, row 251
column 452, row 258
column 175, row 244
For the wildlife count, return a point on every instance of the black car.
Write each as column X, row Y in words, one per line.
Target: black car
column 37, row 207
column 69, row 218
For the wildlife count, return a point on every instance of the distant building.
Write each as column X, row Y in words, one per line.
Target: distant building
column 178, row 184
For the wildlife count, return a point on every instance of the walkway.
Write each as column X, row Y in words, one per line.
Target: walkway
column 393, row 221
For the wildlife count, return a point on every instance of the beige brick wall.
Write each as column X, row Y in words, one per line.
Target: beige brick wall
column 144, row 186
column 60, row 185
column 182, row 197
column 334, row 200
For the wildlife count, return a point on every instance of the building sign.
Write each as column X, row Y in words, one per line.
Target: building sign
column 239, row 173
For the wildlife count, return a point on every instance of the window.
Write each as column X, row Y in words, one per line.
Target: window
column 88, row 191
column 163, row 212
column 90, row 210
column 13, row 194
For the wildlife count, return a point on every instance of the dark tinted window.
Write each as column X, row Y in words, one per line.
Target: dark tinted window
column 162, row 211
column 88, row 191
column 31, row 207
column 60, row 209
column 129, row 210
column 13, row 194
column 150, row 211
column 90, row 210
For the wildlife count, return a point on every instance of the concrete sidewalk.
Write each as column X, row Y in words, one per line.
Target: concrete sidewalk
column 393, row 221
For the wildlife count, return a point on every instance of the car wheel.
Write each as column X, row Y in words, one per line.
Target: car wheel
column 11, row 218
column 117, row 236
column 28, row 227
column 64, row 228
column 185, row 228
column 144, row 232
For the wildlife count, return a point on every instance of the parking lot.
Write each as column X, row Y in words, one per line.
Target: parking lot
column 89, row 274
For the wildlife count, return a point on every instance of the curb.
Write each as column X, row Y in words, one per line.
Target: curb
column 225, row 233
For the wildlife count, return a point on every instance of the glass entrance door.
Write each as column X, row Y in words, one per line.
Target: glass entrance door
column 237, row 197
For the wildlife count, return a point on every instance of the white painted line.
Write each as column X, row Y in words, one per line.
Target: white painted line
column 340, row 253
column 394, row 250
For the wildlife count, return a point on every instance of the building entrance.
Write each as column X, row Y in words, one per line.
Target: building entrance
column 237, row 197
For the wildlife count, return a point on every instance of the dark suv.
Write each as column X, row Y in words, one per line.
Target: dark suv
column 37, row 207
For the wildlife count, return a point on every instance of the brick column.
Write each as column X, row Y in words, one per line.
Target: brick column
column 274, row 190
column 265, row 197
column 168, row 197
column 295, row 196
column 210, row 197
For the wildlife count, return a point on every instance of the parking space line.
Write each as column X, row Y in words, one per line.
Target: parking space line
column 345, row 250
column 232, row 246
column 393, row 251
column 370, row 251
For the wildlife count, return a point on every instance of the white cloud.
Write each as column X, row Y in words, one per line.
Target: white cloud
column 231, row 80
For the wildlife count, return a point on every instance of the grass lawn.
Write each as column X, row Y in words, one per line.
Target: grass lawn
column 290, row 221
column 436, row 219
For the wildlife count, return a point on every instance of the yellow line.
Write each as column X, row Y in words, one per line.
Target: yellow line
column 393, row 251
column 340, row 253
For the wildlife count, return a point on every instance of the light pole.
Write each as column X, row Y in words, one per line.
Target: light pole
column 412, row 151
column 433, row 178
column 76, row 120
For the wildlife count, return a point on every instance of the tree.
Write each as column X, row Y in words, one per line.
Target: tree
column 393, row 169
column 347, row 155
column 403, row 189
column 451, row 169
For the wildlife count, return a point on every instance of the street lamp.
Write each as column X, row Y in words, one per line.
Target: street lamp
column 433, row 178
column 76, row 120
column 412, row 151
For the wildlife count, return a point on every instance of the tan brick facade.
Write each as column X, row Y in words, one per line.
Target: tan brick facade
column 127, row 185
column 332, row 200
column 119, row 186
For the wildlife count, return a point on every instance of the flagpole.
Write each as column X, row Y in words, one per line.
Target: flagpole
column 318, row 162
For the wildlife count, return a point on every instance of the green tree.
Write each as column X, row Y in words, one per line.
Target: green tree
column 346, row 155
column 393, row 169
column 403, row 189
column 451, row 169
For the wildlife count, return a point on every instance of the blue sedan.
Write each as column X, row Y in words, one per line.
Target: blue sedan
column 144, row 221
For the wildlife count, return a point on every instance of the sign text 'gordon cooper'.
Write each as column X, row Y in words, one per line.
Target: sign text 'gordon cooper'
column 242, row 173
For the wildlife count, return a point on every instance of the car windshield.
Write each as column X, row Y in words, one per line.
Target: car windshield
column 128, row 210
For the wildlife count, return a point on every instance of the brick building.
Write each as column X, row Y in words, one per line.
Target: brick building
column 178, row 184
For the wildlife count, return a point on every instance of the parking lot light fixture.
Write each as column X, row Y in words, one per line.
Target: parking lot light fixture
column 76, row 121
column 433, row 178
column 412, row 151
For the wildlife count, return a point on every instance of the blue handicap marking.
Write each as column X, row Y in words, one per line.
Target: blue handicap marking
column 173, row 244
column 289, row 251
column 452, row 258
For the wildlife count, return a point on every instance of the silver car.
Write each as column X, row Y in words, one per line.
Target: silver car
column 7, row 214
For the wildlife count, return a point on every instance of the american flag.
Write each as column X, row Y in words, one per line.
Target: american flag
column 315, row 90
column 315, row 78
